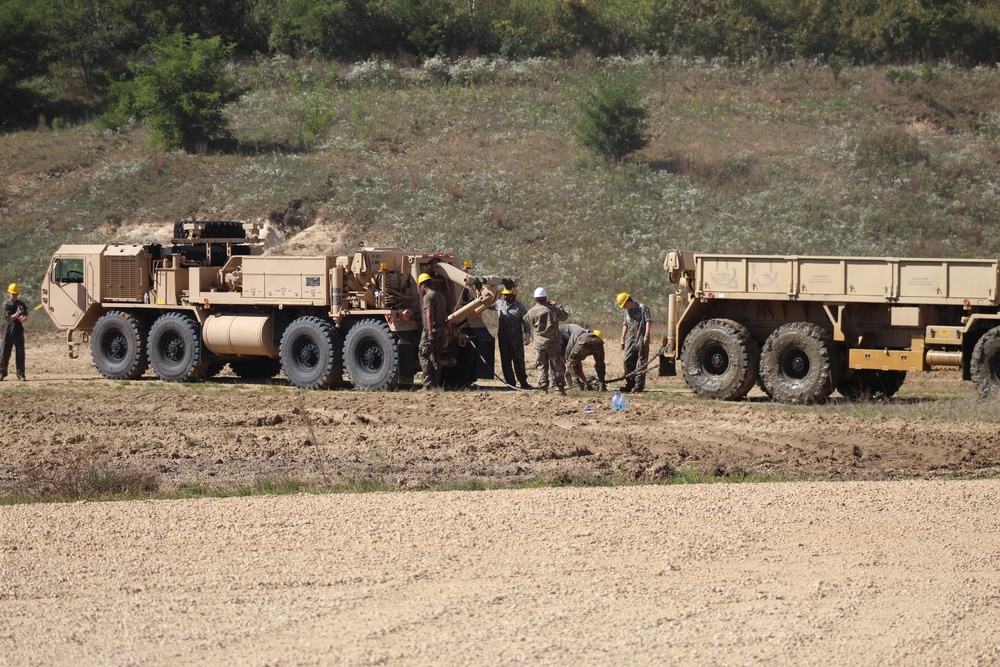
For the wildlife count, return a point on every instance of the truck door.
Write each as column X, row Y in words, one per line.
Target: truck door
column 67, row 290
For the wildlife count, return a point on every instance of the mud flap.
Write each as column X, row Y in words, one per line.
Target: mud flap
column 470, row 362
column 668, row 366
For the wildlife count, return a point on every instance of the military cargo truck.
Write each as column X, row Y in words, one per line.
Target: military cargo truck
column 802, row 327
column 211, row 297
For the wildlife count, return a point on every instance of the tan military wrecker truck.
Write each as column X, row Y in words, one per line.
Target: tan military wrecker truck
column 210, row 298
column 801, row 327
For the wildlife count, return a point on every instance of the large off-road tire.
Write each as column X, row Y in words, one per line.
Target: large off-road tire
column 371, row 356
column 865, row 385
column 309, row 354
column 720, row 359
column 985, row 364
column 799, row 363
column 175, row 350
column 256, row 368
column 118, row 346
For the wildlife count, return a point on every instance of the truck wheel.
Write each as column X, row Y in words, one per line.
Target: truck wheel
column 256, row 368
column 866, row 385
column 719, row 359
column 175, row 348
column 371, row 357
column 984, row 367
column 118, row 346
column 800, row 363
column 309, row 353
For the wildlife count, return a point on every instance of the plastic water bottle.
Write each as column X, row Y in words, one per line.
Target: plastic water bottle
column 616, row 401
column 623, row 403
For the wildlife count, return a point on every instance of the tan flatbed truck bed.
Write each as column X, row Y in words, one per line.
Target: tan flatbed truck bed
column 801, row 327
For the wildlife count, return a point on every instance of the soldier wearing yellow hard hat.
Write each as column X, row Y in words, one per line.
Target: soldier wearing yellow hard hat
column 14, row 315
column 635, row 340
column 513, row 334
column 431, row 332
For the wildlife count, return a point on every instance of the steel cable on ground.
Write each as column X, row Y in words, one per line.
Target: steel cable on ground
column 644, row 368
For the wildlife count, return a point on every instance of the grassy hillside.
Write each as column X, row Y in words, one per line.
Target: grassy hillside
column 476, row 157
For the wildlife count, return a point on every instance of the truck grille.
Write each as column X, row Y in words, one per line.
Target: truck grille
column 121, row 279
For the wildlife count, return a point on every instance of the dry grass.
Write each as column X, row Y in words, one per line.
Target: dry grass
column 475, row 157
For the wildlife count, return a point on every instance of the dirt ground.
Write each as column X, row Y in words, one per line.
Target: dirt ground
column 897, row 566
column 224, row 434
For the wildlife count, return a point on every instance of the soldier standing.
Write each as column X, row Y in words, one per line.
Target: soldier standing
column 14, row 314
column 512, row 334
column 578, row 344
column 544, row 318
column 635, row 340
column 432, row 332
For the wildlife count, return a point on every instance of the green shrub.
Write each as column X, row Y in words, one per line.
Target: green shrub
column 181, row 90
column 888, row 150
column 612, row 122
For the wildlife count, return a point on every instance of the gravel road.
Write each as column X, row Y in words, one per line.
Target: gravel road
column 852, row 573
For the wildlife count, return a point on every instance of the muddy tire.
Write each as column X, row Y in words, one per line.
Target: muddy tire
column 175, row 350
column 984, row 367
column 720, row 359
column 118, row 346
column 865, row 385
column 256, row 368
column 309, row 354
column 371, row 356
column 799, row 363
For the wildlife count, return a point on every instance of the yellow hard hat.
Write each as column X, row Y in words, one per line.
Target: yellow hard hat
column 13, row 288
column 622, row 299
column 508, row 290
column 597, row 332
column 424, row 277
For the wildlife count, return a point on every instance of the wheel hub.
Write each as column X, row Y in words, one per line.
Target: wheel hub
column 117, row 347
column 796, row 365
column 174, row 349
column 308, row 355
column 371, row 357
column 717, row 361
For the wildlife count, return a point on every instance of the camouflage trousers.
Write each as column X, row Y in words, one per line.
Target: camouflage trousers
column 429, row 354
column 588, row 345
column 636, row 355
column 550, row 359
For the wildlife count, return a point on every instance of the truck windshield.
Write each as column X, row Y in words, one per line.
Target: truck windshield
column 67, row 270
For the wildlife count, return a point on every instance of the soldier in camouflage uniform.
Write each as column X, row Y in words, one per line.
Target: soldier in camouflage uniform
column 635, row 340
column 431, row 333
column 544, row 318
column 14, row 314
column 512, row 333
column 578, row 344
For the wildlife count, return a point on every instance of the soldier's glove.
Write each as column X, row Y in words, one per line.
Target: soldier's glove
column 623, row 343
column 430, row 339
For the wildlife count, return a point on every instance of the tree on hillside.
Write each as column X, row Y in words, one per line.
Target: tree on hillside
column 612, row 119
column 180, row 89
column 24, row 52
